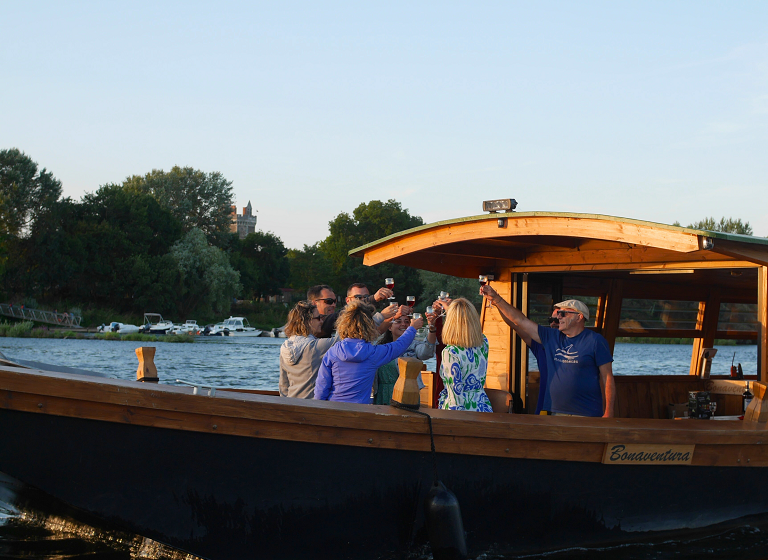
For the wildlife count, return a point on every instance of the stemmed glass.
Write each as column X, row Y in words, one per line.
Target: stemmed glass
column 483, row 281
column 712, row 408
column 410, row 301
column 443, row 297
column 390, row 284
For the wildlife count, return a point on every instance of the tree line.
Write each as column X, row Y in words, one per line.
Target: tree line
column 162, row 242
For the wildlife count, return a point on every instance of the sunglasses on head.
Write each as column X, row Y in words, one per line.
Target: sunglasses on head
column 327, row 301
column 358, row 296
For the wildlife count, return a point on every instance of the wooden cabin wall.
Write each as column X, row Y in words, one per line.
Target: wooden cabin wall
column 762, row 324
column 499, row 336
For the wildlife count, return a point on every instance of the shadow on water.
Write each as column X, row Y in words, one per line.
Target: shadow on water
column 34, row 525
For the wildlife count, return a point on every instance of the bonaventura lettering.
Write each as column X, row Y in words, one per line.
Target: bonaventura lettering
column 618, row 453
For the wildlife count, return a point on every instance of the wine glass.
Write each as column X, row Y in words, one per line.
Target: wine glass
column 483, row 281
column 410, row 301
column 390, row 284
column 712, row 409
column 416, row 316
column 429, row 310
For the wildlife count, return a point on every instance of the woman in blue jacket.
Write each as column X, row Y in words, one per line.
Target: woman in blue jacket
column 349, row 367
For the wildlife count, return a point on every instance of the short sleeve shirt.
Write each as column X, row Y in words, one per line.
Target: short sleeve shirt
column 573, row 375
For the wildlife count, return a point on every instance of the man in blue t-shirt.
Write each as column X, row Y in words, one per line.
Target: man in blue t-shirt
column 579, row 362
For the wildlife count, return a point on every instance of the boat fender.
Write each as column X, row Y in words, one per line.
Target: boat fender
column 444, row 526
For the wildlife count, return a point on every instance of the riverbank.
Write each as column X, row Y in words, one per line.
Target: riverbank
column 27, row 329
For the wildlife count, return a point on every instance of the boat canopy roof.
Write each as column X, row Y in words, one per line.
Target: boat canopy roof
column 551, row 242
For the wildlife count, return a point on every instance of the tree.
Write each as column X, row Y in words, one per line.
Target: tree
column 368, row 223
column 262, row 262
column 197, row 199
column 434, row 283
column 309, row 266
column 110, row 250
column 724, row 225
column 209, row 283
column 24, row 192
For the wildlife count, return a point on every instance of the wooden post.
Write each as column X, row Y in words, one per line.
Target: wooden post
column 406, row 391
column 706, row 322
column 613, row 312
column 147, row 371
column 762, row 324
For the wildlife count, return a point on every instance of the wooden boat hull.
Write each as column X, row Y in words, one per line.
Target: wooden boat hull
column 238, row 476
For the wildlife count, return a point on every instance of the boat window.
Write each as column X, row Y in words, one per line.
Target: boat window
column 737, row 320
column 648, row 314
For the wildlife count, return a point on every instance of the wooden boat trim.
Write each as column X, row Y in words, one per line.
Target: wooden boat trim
column 251, row 415
column 630, row 242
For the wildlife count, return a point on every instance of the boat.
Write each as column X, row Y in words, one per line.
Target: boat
column 239, row 326
column 189, row 327
column 228, row 474
column 217, row 329
column 155, row 324
column 117, row 327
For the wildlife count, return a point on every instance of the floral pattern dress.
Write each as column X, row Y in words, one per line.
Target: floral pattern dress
column 463, row 371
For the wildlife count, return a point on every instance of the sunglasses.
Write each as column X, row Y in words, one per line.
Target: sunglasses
column 554, row 321
column 327, row 301
column 560, row 313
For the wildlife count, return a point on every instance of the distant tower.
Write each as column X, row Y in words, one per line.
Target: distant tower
column 246, row 222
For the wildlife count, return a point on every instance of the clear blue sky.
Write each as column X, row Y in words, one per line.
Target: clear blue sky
column 649, row 110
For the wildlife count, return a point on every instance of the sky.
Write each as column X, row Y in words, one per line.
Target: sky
column 655, row 111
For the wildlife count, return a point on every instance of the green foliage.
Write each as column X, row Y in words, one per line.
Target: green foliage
column 263, row 315
column 308, row 267
column 261, row 260
column 25, row 192
column 196, row 199
column 110, row 250
column 728, row 225
column 434, row 283
column 208, row 279
column 368, row 223
column 16, row 329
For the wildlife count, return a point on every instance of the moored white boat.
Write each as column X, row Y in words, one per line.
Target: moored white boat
column 239, row 326
column 155, row 324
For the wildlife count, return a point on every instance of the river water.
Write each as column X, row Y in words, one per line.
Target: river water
column 42, row 528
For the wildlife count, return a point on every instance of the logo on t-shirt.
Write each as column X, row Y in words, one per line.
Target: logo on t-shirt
column 567, row 355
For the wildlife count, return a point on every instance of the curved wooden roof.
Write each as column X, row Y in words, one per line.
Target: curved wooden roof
column 555, row 241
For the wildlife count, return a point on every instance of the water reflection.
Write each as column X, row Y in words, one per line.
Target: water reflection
column 33, row 525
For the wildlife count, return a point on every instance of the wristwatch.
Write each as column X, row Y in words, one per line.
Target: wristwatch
column 432, row 328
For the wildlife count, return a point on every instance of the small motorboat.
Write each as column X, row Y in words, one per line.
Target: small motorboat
column 238, row 326
column 117, row 327
column 155, row 324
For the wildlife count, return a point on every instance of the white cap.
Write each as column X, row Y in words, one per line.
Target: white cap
column 576, row 305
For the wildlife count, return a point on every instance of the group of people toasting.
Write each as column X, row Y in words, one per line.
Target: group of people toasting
column 350, row 355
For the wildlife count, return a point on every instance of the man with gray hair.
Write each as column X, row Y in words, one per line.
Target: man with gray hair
column 579, row 362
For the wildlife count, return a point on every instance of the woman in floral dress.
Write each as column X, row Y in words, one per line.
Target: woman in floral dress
column 464, row 360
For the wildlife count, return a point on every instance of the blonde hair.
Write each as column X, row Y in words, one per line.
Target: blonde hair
column 462, row 325
column 356, row 321
column 299, row 319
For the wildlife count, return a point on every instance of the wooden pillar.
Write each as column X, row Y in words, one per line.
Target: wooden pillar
column 762, row 324
column 518, row 372
column 706, row 322
column 613, row 312
column 600, row 314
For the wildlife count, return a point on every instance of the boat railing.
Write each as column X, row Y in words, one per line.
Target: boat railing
column 198, row 387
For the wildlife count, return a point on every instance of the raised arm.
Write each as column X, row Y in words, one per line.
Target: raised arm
column 527, row 329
